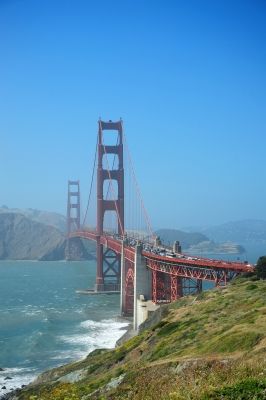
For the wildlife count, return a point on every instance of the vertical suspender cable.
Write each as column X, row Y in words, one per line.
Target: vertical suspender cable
column 92, row 178
column 138, row 189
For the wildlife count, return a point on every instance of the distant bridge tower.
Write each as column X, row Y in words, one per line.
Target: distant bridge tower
column 108, row 262
column 73, row 211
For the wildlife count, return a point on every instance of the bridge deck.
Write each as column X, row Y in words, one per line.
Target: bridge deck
column 116, row 245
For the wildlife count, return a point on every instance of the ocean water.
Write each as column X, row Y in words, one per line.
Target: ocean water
column 44, row 323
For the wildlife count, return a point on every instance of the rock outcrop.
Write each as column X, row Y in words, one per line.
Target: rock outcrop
column 44, row 217
column 22, row 238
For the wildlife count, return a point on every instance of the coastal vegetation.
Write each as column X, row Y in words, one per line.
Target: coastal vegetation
column 210, row 346
column 261, row 267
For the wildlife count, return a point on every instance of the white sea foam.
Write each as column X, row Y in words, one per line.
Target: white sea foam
column 88, row 336
column 48, row 332
column 67, row 355
column 94, row 335
column 32, row 313
column 20, row 376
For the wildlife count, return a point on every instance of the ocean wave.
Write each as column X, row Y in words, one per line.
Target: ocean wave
column 66, row 355
column 105, row 323
column 43, row 325
column 98, row 334
column 19, row 377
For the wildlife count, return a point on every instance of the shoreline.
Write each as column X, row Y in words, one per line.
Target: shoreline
column 11, row 395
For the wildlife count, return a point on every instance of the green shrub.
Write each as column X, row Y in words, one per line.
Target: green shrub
column 249, row 274
column 232, row 341
column 168, row 329
column 261, row 267
column 159, row 325
column 97, row 352
column 245, row 390
column 160, row 351
column 252, row 286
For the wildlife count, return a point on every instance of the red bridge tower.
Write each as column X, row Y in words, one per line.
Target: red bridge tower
column 73, row 211
column 108, row 262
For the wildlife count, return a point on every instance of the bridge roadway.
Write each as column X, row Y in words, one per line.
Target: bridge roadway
column 185, row 266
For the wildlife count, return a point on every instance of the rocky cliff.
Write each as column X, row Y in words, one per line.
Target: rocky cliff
column 45, row 217
column 22, row 238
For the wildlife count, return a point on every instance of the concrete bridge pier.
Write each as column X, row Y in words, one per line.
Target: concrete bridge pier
column 142, row 296
column 142, row 289
column 122, row 280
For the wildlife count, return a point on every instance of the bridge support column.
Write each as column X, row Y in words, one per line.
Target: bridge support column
column 99, row 271
column 73, row 212
column 123, row 281
column 108, row 262
column 142, row 283
column 176, row 287
column 199, row 285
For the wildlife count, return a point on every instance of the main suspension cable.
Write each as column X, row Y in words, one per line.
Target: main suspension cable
column 146, row 216
column 92, row 179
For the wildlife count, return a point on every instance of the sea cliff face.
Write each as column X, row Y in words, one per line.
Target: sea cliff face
column 24, row 239
column 44, row 217
column 211, row 346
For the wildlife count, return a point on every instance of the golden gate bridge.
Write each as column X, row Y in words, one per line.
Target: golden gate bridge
column 130, row 259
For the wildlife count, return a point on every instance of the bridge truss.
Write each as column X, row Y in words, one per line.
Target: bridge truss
column 171, row 278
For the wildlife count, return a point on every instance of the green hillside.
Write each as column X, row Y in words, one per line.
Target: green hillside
column 208, row 347
column 168, row 236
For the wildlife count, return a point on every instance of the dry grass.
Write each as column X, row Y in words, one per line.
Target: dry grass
column 205, row 348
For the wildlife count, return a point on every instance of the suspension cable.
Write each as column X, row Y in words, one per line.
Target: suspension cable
column 146, row 216
column 92, row 179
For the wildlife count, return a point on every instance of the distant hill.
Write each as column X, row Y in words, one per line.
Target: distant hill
column 45, row 217
column 206, row 240
column 198, row 243
column 21, row 238
column 187, row 239
column 243, row 232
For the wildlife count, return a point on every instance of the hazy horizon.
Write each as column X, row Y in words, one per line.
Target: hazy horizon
column 187, row 77
column 189, row 228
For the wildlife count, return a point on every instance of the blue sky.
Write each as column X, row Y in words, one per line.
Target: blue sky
column 187, row 77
